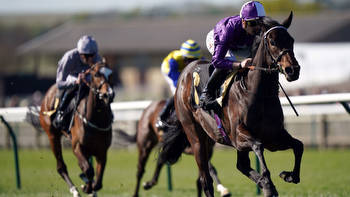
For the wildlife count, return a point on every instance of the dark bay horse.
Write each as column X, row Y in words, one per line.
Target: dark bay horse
column 148, row 136
column 252, row 115
column 91, row 132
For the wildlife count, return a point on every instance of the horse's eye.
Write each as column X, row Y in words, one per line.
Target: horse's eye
column 272, row 42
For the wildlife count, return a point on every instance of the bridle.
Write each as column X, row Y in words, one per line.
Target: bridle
column 97, row 92
column 275, row 60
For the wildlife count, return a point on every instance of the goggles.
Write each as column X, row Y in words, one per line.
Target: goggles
column 253, row 23
column 88, row 55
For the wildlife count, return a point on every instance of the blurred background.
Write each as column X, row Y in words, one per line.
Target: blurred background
column 134, row 36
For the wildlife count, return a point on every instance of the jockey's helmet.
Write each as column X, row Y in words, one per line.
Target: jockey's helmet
column 252, row 10
column 87, row 45
column 191, row 49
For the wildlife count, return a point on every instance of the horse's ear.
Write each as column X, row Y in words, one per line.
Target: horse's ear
column 286, row 23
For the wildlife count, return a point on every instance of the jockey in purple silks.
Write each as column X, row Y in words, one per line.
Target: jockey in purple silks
column 69, row 73
column 232, row 36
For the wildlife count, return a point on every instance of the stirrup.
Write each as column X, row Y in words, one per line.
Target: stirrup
column 57, row 121
column 209, row 105
column 160, row 125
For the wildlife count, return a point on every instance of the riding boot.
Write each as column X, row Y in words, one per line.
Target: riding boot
column 58, row 121
column 207, row 100
column 164, row 114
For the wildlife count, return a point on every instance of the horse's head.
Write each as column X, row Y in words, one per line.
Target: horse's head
column 279, row 44
column 101, row 82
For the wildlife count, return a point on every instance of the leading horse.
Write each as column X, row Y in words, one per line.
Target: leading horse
column 148, row 136
column 252, row 115
column 91, row 132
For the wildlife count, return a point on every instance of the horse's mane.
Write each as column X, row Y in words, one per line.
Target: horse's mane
column 267, row 23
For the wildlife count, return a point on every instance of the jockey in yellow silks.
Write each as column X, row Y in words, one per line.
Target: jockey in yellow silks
column 171, row 68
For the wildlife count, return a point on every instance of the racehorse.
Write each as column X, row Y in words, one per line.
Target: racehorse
column 251, row 113
column 148, row 136
column 91, row 132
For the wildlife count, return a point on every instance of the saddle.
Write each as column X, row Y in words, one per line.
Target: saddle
column 200, row 77
column 67, row 113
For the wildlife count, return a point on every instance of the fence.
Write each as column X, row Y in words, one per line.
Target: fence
column 322, row 121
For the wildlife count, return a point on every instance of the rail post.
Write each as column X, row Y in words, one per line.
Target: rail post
column 15, row 151
column 257, row 165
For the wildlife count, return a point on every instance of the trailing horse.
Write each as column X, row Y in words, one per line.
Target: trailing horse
column 148, row 136
column 91, row 131
column 251, row 114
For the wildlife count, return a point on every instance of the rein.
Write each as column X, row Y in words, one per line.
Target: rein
column 92, row 125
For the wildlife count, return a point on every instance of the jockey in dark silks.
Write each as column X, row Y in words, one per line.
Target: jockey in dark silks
column 232, row 36
column 69, row 74
column 172, row 66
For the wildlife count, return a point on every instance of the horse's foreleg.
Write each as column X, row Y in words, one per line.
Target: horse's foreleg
column 55, row 142
column 263, row 180
column 243, row 165
column 298, row 149
column 213, row 173
column 85, row 167
column 100, row 167
column 269, row 188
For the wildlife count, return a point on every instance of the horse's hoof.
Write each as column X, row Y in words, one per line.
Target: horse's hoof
column 147, row 186
column 288, row 177
column 223, row 191
column 73, row 190
column 270, row 193
column 225, row 194
column 93, row 194
column 86, row 189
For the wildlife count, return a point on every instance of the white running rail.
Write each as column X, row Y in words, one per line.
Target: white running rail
column 305, row 105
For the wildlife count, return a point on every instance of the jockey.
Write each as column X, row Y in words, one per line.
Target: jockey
column 232, row 36
column 171, row 68
column 69, row 73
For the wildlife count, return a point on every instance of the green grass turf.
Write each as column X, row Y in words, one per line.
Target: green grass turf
column 324, row 173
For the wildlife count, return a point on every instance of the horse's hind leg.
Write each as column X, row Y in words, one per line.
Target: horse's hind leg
column 202, row 154
column 298, row 148
column 154, row 180
column 224, row 192
column 55, row 142
column 145, row 147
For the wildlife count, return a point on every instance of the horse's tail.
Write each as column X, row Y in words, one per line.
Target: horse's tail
column 173, row 144
column 32, row 117
column 125, row 136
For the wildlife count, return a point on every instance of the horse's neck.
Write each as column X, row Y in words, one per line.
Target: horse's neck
column 263, row 84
